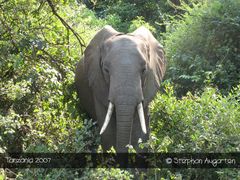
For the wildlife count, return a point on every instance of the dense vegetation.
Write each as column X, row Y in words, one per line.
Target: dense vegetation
column 203, row 47
column 196, row 111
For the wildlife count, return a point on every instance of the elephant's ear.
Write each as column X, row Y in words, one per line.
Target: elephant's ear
column 92, row 54
column 156, row 63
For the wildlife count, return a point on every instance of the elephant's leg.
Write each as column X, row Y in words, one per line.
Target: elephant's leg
column 138, row 133
column 108, row 138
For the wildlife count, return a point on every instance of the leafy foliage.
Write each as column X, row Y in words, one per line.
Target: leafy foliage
column 38, row 61
column 203, row 47
column 38, row 102
column 196, row 123
column 153, row 12
column 107, row 174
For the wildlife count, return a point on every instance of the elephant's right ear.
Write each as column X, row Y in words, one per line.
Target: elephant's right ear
column 92, row 54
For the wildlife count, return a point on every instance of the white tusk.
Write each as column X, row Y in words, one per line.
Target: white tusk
column 141, row 117
column 107, row 118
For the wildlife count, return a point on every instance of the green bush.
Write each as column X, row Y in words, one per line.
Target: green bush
column 197, row 123
column 105, row 174
column 138, row 22
column 206, row 123
column 153, row 12
column 203, row 47
column 38, row 56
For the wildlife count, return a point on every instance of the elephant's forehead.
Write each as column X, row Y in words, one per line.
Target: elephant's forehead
column 126, row 48
column 124, row 41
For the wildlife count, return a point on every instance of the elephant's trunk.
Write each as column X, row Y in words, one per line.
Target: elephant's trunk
column 125, row 93
column 124, row 118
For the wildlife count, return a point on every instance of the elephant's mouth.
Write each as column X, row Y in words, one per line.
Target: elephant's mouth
column 110, row 111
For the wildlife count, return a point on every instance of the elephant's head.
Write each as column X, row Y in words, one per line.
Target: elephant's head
column 124, row 72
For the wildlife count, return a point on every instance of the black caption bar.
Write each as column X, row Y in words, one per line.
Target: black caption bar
column 120, row 160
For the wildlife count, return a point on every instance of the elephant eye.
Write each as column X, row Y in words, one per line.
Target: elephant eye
column 103, row 66
column 105, row 69
column 101, row 63
column 144, row 70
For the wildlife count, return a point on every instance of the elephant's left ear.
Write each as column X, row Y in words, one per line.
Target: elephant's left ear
column 157, row 63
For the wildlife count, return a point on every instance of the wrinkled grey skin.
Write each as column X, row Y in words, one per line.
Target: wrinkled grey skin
column 125, row 69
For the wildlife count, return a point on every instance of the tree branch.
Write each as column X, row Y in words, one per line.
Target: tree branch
column 67, row 26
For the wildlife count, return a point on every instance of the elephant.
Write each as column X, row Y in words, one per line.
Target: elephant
column 116, row 79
